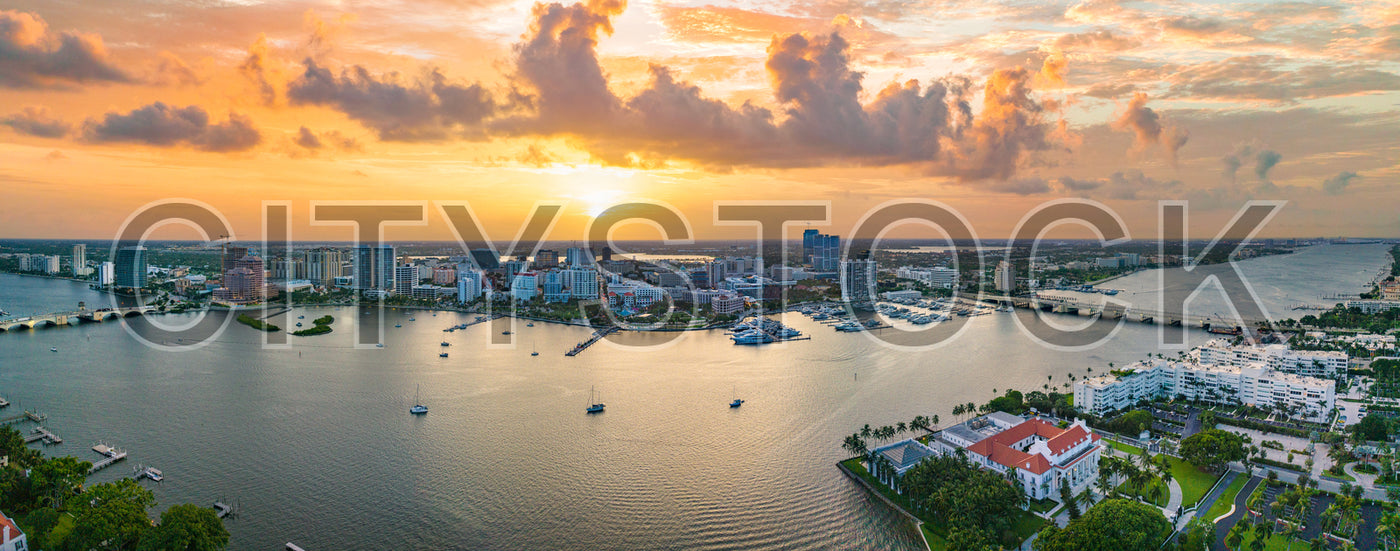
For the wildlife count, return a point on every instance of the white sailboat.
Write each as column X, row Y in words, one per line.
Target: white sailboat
column 418, row 407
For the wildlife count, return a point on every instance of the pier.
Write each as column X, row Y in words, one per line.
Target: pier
column 27, row 415
column 597, row 336
column 479, row 319
column 41, row 433
column 110, row 457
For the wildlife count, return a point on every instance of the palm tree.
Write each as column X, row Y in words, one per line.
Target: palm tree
column 1317, row 544
column 1236, row 536
column 900, row 428
column 865, row 431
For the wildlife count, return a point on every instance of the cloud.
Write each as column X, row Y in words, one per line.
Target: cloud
column 1100, row 40
column 536, row 156
column 1338, row 184
column 258, row 70
column 428, row 108
column 37, row 121
column 306, row 139
column 173, row 71
column 1264, row 162
column 160, row 125
column 1147, row 128
column 31, row 56
column 1127, row 184
column 1276, row 80
column 1021, row 186
column 932, row 126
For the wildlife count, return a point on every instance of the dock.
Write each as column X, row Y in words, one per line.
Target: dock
column 597, row 336
column 27, row 415
column 479, row 319
column 110, row 457
column 41, row 433
column 223, row 510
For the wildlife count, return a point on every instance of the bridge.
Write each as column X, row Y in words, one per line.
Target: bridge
column 73, row 318
column 1112, row 311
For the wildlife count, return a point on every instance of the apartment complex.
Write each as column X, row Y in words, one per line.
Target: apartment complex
column 1253, row 384
column 1278, row 357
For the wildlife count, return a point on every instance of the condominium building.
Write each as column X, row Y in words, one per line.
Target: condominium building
column 1257, row 385
column 323, row 265
column 524, row 286
column 1279, row 357
column 1004, row 278
column 130, row 268
column 106, row 273
column 727, row 304
column 80, row 260
column 857, row 280
column 582, row 283
column 469, row 285
column 405, row 277
column 374, row 267
column 937, row 276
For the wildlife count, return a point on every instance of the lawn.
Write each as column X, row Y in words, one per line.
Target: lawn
column 1194, row 482
column 1278, row 542
column 1134, row 450
column 1222, row 505
column 1042, row 505
column 1024, row 525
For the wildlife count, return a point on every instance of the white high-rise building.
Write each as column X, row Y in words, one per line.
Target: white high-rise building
column 524, row 286
column 582, row 283
column 469, row 285
column 1005, row 277
column 405, row 277
column 106, row 273
column 80, row 260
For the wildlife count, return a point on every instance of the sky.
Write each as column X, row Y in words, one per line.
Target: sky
column 990, row 107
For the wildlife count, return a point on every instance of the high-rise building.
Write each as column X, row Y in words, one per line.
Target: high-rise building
column 1004, row 277
column 858, row 281
column 130, row 268
column 486, row 259
column 444, row 275
column 826, row 252
column 323, row 265
column 546, row 259
column 374, row 267
column 577, row 257
column 106, row 273
column 808, row 236
column 80, row 260
column 469, row 285
column 231, row 256
column 405, row 277
column 581, row 282
column 524, row 286
column 554, row 290
column 50, row 264
column 512, row 267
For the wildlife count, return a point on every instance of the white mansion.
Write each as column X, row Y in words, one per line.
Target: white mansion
column 1035, row 453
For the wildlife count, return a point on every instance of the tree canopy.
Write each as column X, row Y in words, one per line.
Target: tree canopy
column 1112, row 525
column 1212, row 449
column 186, row 528
column 964, row 497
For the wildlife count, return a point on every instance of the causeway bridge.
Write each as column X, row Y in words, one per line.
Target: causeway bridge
column 73, row 318
column 1113, row 311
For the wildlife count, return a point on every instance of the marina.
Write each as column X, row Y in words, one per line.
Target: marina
column 43, row 434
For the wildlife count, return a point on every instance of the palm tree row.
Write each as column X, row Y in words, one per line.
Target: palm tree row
column 858, row 443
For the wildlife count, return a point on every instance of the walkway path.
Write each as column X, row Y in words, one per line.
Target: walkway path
column 1174, row 501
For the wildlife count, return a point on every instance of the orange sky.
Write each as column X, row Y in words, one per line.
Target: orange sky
column 990, row 107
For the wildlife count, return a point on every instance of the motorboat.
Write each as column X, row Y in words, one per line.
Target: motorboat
column 442, row 355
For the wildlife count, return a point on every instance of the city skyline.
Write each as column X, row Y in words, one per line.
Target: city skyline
column 502, row 104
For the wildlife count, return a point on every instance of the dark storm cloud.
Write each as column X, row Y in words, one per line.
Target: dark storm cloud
column 160, row 125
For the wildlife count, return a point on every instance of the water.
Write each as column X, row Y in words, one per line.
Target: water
column 1281, row 282
column 32, row 295
column 317, row 446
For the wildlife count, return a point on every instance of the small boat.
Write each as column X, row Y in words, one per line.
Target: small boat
column 418, row 407
column 505, row 332
column 736, row 403
column 53, row 349
column 301, row 317
column 298, row 324
column 398, row 325
column 442, row 355
column 531, row 324
column 593, row 406
column 379, row 345
column 445, row 343
column 412, row 319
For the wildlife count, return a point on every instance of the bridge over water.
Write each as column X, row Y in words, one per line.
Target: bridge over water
column 72, row 318
column 1113, row 311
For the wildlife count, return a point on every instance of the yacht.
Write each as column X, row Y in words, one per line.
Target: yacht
column 593, row 407
column 301, row 317
column 412, row 319
column 418, row 407
column 398, row 325
column 298, row 324
column 752, row 336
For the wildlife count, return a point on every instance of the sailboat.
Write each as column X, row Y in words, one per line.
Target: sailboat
column 737, row 402
column 533, row 352
column 593, row 407
column 418, row 407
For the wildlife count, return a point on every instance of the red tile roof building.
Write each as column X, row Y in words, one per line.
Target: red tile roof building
column 1042, row 455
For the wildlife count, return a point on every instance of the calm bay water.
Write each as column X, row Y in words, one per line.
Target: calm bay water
column 317, row 446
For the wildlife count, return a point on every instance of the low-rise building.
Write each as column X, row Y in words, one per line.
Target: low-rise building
column 1257, row 385
column 11, row 537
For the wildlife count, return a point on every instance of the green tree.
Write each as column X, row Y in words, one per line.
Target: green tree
column 186, row 528
column 1198, row 536
column 12, row 445
column 1372, row 427
column 1212, row 449
column 54, row 480
column 37, row 525
column 1112, row 525
column 110, row 516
